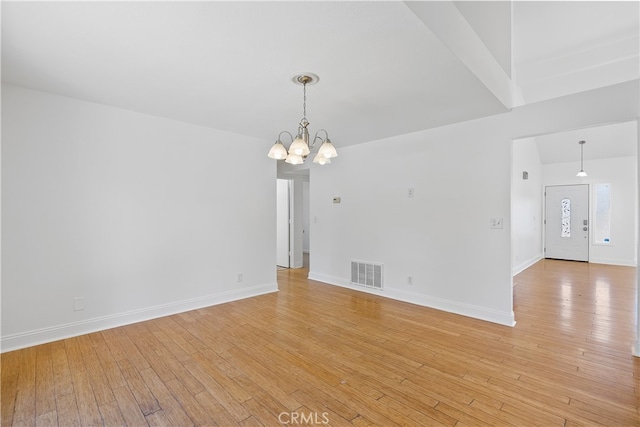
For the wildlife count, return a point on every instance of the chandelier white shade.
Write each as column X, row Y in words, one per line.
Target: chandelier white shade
column 300, row 147
column 278, row 151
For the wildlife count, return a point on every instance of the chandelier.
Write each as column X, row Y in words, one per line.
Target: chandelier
column 300, row 147
column 582, row 173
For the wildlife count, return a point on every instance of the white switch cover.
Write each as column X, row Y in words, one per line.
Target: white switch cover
column 495, row 223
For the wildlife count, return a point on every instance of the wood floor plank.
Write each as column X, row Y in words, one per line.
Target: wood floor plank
column 8, row 398
column 45, row 388
column 62, row 379
column 25, row 401
column 102, row 389
column 158, row 418
column 189, row 403
column 111, row 414
column 47, row 419
column 145, row 400
column 338, row 413
column 170, row 406
column 210, row 364
column 267, row 377
column 128, row 406
column 73, row 355
column 85, row 399
column 67, row 410
column 215, row 410
column 219, row 393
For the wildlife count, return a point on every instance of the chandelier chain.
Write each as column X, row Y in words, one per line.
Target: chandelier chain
column 304, row 100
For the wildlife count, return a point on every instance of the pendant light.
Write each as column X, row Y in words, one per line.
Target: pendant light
column 582, row 173
column 300, row 146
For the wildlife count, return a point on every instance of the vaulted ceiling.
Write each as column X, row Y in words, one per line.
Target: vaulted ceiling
column 386, row 68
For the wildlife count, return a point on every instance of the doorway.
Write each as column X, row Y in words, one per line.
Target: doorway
column 283, row 221
column 292, row 220
column 567, row 222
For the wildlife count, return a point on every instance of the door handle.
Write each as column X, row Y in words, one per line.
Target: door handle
column 584, row 229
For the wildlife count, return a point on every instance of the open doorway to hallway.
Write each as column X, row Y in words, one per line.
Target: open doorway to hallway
column 610, row 157
column 293, row 223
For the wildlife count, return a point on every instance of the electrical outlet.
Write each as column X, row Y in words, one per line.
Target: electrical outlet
column 410, row 280
column 78, row 304
column 240, row 278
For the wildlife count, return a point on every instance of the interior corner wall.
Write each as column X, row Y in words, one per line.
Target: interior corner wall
column 111, row 217
column 526, row 205
column 461, row 180
column 621, row 173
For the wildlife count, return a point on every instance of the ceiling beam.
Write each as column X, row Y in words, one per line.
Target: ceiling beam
column 445, row 21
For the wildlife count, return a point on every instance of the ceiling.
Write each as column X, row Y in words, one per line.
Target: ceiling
column 602, row 142
column 386, row 68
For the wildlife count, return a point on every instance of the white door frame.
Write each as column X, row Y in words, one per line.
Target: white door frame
column 283, row 223
column 579, row 243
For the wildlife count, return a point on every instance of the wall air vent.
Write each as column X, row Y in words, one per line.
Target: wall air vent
column 366, row 274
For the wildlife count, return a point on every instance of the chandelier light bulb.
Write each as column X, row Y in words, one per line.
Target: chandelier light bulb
column 321, row 160
column 327, row 150
column 294, row 159
column 299, row 147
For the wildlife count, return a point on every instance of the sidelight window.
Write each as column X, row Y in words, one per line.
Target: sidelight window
column 566, row 218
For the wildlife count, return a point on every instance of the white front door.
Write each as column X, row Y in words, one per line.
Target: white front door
column 567, row 222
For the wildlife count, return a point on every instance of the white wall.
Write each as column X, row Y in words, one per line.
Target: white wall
column 441, row 237
column 134, row 213
column 526, row 205
column 621, row 173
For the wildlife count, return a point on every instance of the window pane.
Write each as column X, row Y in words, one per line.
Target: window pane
column 566, row 218
column 602, row 225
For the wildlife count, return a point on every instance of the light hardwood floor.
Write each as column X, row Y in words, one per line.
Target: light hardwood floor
column 317, row 354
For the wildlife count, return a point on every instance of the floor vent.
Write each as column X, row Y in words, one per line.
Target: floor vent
column 366, row 274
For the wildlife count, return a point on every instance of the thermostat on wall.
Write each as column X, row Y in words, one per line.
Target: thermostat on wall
column 336, row 200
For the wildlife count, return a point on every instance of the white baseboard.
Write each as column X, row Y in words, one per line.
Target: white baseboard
column 58, row 332
column 526, row 264
column 622, row 262
column 469, row 310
